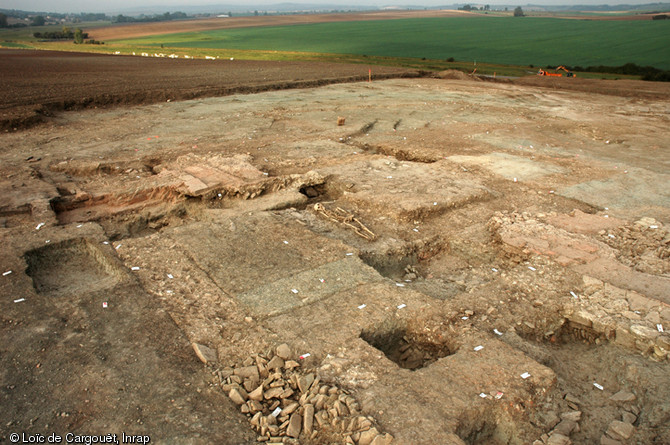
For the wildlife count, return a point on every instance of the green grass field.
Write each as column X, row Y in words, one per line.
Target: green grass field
column 498, row 40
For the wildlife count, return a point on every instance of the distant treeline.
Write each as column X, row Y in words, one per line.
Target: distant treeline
column 65, row 34
column 654, row 7
column 154, row 18
column 42, row 18
column 631, row 69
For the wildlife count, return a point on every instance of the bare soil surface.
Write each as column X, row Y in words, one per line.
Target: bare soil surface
column 457, row 262
column 36, row 84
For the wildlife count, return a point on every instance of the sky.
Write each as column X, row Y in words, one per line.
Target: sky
column 119, row 5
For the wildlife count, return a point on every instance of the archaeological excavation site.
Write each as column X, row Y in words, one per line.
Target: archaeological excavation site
column 417, row 260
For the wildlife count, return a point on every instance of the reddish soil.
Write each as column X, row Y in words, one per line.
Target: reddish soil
column 34, row 84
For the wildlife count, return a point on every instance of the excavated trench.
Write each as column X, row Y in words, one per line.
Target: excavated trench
column 51, row 268
column 209, row 279
column 407, row 347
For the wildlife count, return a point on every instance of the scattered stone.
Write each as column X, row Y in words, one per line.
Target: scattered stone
column 308, row 419
column 257, row 394
column 204, row 353
column 368, row 436
column 290, row 405
column 284, row 351
column 623, row 396
column 565, row 427
column 294, row 426
column 276, row 363
column 574, row 416
column 572, row 399
column 305, row 382
column 236, row 396
column 386, row 439
column 273, row 393
column 248, row 372
column 548, row 419
column 628, row 417
column 620, row 430
column 290, row 364
column 604, row 440
column 558, row 439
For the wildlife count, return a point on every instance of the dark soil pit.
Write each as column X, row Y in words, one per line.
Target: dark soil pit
column 395, row 267
column 483, row 429
column 585, row 361
column 403, row 347
column 564, row 333
column 72, row 267
column 147, row 222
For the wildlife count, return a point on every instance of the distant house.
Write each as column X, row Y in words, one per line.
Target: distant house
column 222, row 16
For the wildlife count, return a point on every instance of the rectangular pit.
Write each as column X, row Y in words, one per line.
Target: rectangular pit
column 405, row 347
column 73, row 266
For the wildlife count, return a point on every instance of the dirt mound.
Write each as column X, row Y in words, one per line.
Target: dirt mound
column 454, row 74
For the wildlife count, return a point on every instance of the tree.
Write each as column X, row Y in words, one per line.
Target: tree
column 38, row 20
column 3, row 20
column 78, row 36
column 518, row 12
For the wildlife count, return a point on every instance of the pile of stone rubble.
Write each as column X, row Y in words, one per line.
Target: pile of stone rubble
column 287, row 404
column 617, row 433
